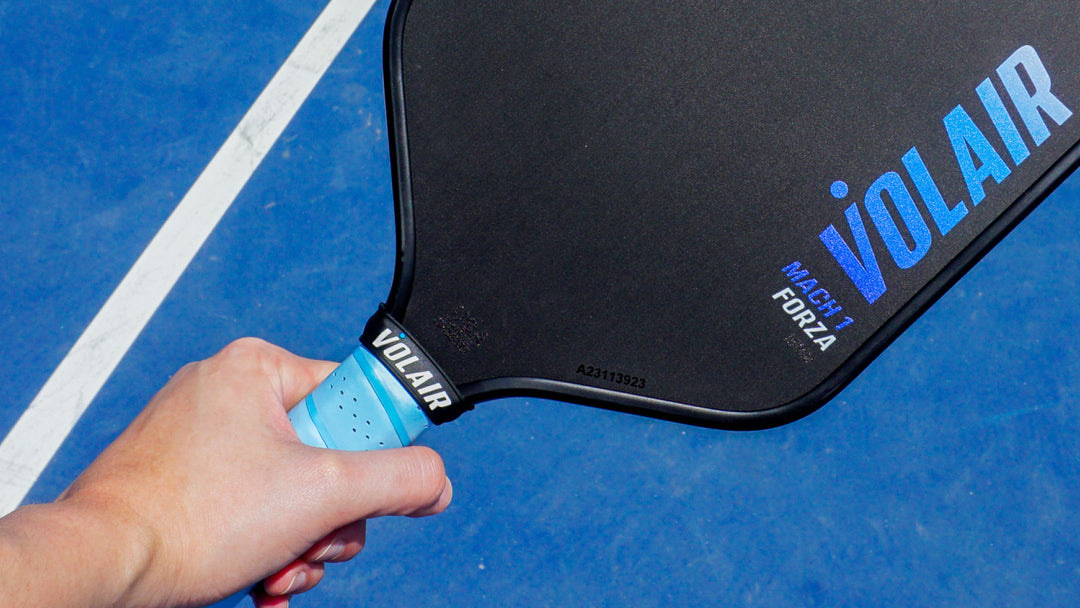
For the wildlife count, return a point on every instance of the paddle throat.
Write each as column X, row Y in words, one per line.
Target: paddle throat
column 417, row 372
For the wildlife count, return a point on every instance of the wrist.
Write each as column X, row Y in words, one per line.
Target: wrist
column 74, row 552
column 126, row 545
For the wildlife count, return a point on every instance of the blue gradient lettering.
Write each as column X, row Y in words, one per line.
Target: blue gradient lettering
column 891, row 184
column 908, row 241
column 944, row 216
column 865, row 273
column 1028, row 104
column 1004, row 124
column 967, row 139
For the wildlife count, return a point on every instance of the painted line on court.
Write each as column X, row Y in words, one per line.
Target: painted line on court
column 49, row 418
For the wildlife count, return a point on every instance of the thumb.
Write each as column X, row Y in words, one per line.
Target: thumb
column 300, row 376
column 403, row 481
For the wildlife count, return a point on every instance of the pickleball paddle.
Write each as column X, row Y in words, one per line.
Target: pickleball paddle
column 711, row 212
column 705, row 211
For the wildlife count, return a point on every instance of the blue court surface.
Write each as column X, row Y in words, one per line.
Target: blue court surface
column 948, row 474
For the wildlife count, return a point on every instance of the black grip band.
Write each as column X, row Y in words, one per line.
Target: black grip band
column 414, row 368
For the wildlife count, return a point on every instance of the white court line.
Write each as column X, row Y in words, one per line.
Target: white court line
column 52, row 414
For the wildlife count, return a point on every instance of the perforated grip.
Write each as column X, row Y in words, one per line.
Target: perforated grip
column 360, row 406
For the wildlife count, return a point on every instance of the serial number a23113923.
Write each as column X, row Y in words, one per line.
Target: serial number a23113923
column 610, row 376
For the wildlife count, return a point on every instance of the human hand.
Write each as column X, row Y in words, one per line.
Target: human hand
column 221, row 493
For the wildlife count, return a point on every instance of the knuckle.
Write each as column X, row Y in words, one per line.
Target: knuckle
column 246, row 355
column 244, row 348
column 328, row 473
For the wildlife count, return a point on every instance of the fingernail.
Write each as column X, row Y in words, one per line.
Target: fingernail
column 440, row 503
column 333, row 550
column 298, row 581
column 447, row 495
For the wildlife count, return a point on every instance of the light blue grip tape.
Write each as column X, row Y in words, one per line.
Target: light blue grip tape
column 360, row 406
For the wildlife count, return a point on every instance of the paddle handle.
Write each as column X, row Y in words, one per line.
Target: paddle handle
column 359, row 407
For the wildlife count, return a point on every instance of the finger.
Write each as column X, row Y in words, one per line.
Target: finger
column 261, row 600
column 341, row 545
column 403, row 481
column 297, row 577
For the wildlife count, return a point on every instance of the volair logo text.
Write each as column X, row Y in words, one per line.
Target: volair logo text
column 398, row 353
column 977, row 160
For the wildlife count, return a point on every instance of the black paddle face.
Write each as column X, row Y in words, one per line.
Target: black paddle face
column 712, row 211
